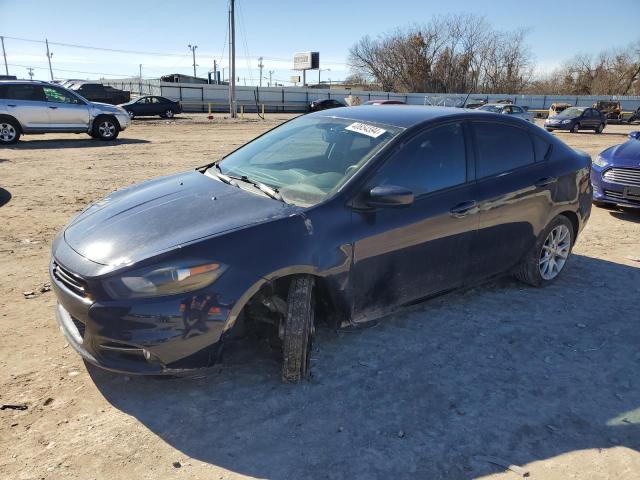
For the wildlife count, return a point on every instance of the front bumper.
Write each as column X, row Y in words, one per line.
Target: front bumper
column 558, row 126
column 155, row 336
column 609, row 192
column 123, row 119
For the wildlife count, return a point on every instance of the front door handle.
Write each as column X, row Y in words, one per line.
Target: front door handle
column 463, row 209
column 543, row 182
column 52, row 107
column 11, row 105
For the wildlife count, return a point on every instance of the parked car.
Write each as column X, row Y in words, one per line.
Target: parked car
column 615, row 174
column 40, row 107
column 152, row 105
column 384, row 102
column 514, row 110
column 326, row 104
column 334, row 216
column 96, row 92
column 576, row 118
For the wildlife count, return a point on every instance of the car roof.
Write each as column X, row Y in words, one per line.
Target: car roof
column 27, row 82
column 404, row 116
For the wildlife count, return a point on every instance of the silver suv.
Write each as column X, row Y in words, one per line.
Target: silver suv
column 41, row 107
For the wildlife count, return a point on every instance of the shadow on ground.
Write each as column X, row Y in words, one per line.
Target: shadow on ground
column 5, row 196
column 80, row 142
column 628, row 214
column 503, row 370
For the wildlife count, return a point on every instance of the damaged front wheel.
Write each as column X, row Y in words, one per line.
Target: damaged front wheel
column 298, row 329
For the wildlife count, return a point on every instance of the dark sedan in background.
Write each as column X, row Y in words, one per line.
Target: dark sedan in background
column 325, row 104
column 149, row 106
column 615, row 174
column 574, row 119
column 336, row 217
column 385, row 102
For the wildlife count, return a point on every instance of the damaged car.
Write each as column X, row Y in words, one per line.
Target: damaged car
column 339, row 216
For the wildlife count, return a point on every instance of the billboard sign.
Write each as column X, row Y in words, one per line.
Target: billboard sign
column 306, row 61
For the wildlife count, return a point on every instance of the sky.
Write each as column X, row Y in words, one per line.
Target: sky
column 159, row 32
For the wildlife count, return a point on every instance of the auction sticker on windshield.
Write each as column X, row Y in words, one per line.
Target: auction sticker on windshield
column 365, row 129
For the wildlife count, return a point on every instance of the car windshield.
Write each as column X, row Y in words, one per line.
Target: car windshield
column 307, row 159
column 491, row 108
column 571, row 112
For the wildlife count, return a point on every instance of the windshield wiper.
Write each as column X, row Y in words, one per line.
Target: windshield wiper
column 264, row 188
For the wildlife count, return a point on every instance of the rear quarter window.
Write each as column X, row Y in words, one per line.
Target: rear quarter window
column 542, row 148
column 501, row 148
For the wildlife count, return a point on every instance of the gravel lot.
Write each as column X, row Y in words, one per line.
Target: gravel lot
column 546, row 379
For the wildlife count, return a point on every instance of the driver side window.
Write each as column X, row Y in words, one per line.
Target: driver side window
column 57, row 95
column 432, row 161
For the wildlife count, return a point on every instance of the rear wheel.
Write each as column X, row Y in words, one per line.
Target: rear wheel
column 167, row 114
column 575, row 128
column 544, row 262
column 298, row 329
column 9, row 132
column 105, row 128
column 600, row 128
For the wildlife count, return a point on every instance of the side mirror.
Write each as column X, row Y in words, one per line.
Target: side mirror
column 389, row 196
column 635, row 135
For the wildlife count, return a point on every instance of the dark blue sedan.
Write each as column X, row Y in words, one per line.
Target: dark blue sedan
column 336, row 217
column 615, row 175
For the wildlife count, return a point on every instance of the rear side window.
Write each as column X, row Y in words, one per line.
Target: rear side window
column 24, row 92
column 3, row 91
column 432, row 161
column 542, row 148
column 501, row 148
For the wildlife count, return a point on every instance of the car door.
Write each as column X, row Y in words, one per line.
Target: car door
column 142, row 106
column 67, row 112
column 514, row 195
column 26, row 102
column 401, row 254
column 156, row 107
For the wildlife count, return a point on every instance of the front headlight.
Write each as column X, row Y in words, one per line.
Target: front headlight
column 566, row 121
column 599, row 161
column 164, row 280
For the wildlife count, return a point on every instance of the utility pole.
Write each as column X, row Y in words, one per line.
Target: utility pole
column 271, row 72
column 193, row 51
column 140, row 79
column 4, row 54
column 260, row 66
column 49, row 55
column 215, row 72
column 30, row 72
column 232, row 59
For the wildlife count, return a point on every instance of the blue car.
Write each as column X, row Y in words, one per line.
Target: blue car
column 615, row 174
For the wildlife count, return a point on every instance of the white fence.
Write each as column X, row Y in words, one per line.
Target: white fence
column 295, row 99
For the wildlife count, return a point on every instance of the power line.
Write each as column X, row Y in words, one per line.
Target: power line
column 73, row 71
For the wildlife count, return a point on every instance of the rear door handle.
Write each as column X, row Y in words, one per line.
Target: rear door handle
column 463, row 209
column 11, row 105
column 543, row 182
column 52, row 108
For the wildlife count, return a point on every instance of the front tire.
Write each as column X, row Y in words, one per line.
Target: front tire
column 575, row 128
column 131, row 115
column 298, row 329
column 9, row 132
column 547, row 258
column 168, row 114
column 105, row 128
column 600, row 128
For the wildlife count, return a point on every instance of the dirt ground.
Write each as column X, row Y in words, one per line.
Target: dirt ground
column 546, row 379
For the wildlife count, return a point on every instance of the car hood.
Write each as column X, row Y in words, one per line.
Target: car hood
column 624, row 155
column 105, row 107
column 161, row 214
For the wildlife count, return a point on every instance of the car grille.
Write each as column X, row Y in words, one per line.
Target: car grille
column 623, row 176
column 620, row 196
column 71, row 281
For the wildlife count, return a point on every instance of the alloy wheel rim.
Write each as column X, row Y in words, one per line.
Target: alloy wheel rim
column 555, row 252
column 169, row 113
column 107, row 129
column 7, row 132
column 131, row 115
